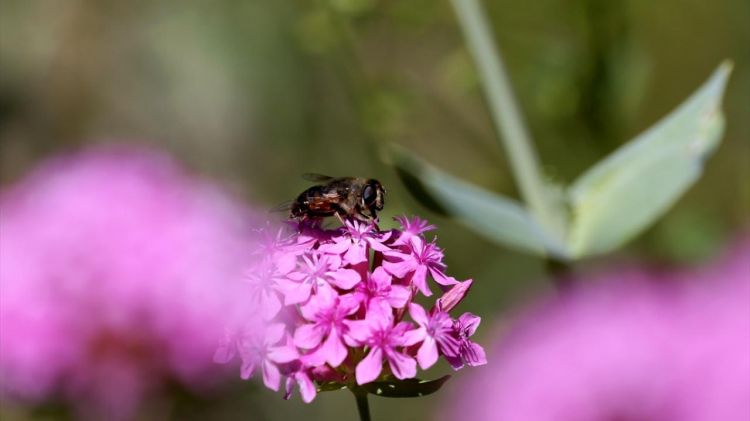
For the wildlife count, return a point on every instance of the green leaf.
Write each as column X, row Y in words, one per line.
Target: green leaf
column 495, row 217
column 330, row 386
column 409, row 388
column 627, row 191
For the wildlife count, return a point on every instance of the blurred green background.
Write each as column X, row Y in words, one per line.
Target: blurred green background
column 255, row 93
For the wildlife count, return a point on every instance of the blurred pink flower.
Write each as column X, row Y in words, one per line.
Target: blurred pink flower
column 257, row 348
column 114, row 278
column 628, row 345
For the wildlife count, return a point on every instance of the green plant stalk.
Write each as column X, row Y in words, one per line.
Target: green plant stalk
column 506, row 113
column 363, row 406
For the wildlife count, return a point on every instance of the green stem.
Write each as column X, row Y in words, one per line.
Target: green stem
column 363, row 406
column 505, row 112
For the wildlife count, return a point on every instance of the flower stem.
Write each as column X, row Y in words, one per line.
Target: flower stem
column 505, row 112
column 363, row 406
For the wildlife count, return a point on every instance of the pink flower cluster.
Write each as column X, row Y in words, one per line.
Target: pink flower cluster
column 115, row 277
column 627, row 344
column 332, row 305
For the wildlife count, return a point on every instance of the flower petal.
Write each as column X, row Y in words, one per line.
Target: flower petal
column 380, row 277
column 357, row 253
column 248, row 368
column 351, row 302
column 339, row 247
column 418, row 314
column 331, row 261
column 377, row 245
column 271, row 375
column 474, row 354
column 428, row 353
column 412, row 337
column 345, row 278
column 289, row 387
column 308, row 336
column 283, row 354
column 334, row 349
column 448, row 345
column 226, row 351
column 286, row 263
column 298, row 294
column 442, row 278
column 273, row 334
column 306, row 387
column 370, row 367
column 400, row 267
column 270, row 305
column 469, row 323
column 420, row 280
column 318, row 303
column 358, row 333
column 402, row 366
column 455, row 295
column 456, row 361
column 398, row 296
column 379, row 315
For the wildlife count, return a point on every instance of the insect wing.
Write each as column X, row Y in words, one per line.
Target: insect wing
column 282, row 207
column 317, row 178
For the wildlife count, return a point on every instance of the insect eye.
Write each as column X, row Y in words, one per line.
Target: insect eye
column 368, row 195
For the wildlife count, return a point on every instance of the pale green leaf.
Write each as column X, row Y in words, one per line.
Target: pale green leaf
column 491, row 215
column 627, row 191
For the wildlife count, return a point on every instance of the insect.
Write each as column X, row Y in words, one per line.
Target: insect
column 359, row 198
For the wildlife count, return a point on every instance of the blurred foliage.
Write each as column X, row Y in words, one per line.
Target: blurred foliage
column 255, row 93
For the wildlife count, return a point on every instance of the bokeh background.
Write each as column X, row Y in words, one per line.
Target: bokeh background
column 254, row 93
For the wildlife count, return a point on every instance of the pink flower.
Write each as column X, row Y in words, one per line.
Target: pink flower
column 298, row 374
column 438, row 331
column 383, row 339
column 422, row 259
column 346, row 310
column 273, row 243
column 378, row 286
column 229, row 346
column 355, row 241
column 411, row 227
column 117, row 272
column 452, row 297
column 259, row 347
column 627, row 344
column 469, row 352
column 328, row 314
column 316, row 271
column 262, row 279
column 310, row 234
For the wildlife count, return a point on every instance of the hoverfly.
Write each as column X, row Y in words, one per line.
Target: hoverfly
column 359, row 198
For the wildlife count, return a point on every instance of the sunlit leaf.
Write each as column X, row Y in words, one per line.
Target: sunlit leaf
column 409, row 388
column 628, row 190
column 495, row 217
